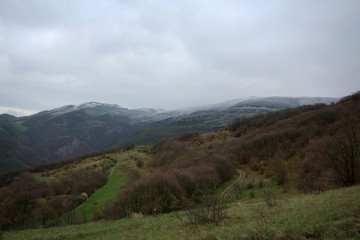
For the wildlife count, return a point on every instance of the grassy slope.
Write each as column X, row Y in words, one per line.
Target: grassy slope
column 116, row 180
column 334, row 214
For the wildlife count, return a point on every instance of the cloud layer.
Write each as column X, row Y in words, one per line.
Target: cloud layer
column 174, row 54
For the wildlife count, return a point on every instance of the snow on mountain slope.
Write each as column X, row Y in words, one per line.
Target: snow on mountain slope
column 146, row 115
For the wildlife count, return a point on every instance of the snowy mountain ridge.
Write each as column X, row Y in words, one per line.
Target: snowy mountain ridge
column 158, row 114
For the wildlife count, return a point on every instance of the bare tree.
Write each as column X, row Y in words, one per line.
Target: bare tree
column 343, row 153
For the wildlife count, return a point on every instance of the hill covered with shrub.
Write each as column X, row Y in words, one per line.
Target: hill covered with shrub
column 307, row 149
column 72, row 130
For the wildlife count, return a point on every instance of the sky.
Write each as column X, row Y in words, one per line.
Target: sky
column 174, row 54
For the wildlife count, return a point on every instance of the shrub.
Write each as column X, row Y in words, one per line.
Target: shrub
column 252, row 194
column 139, row 163
column 269, row 197
column 250, row 185
column 157, row 192
column 353, row 97
column 189, row 136
column 187, row 180
column 134, row 175
column 223, row 167
column 211, row 210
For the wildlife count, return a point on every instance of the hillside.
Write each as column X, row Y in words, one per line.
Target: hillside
column 283, row 153
column 332, row 215
column 65, row 132
column 14, row 145
column 213, row 117
column 73, row 130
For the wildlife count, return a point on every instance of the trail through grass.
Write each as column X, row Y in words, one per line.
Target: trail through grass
column 116, row 180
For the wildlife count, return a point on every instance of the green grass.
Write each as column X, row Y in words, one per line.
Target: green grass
column 22, row 128
column 249, row 187
column 38, row 176
column 116, row 180
column 334, row 214
column 228, row 183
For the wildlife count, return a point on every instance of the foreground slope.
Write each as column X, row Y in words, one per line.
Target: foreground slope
column 334, row 214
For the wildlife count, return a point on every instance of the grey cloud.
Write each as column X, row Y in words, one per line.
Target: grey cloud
column 175, row 54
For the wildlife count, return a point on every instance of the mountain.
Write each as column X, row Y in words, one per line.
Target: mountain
column 77, row 129
column 14, row 150
column 72, row 130
column 217, row 116
column 7, row 117
column 291, row 151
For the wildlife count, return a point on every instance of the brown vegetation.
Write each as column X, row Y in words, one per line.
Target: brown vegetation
column 29, row 202
column 312, row 147
column 287, row 146
column 315, row 146
column 176, row 174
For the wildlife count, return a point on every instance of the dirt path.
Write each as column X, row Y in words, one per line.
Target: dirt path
column 229, row 188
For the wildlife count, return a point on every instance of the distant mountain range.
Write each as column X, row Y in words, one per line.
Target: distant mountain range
column 72, row 130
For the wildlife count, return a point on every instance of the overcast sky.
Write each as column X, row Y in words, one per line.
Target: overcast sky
column 174, row 54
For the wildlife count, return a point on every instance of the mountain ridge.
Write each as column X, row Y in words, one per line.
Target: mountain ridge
column 71, row 130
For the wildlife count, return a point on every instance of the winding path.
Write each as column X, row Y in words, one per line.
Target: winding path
column 229, row 188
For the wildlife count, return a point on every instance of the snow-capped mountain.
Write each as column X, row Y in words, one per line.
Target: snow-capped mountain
column 83, row 106
column 76, row 129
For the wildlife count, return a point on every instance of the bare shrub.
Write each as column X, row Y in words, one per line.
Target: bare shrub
column 97, row 213
column 139, row 163
column 211, row 210
column 343, row 152
column 134, row 175
column 260, row 183
column 259, row 213
column 353, row 97
column 250, row 185
column 269, row 197
column 224, row 168
column 187, row 180
column 188, row 136
column 154, row 193
column 252, row 194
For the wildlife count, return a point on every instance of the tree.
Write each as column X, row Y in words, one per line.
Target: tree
column 343, row 153
column 46, row 213
column 56, row 204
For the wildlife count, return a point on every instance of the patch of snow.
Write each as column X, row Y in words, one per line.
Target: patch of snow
column 70, row 108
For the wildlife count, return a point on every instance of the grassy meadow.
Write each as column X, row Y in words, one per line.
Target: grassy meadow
column 106, row 192
column 116, row 180
column 334, row 214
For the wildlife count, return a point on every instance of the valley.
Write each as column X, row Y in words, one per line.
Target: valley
column 73, row 130
column 277, row 175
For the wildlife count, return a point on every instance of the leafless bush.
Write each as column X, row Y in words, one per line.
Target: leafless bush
column 260, row 213
column 212, row 210
column 188, row 136
column 252, row 194
column 269, row 197
column 139, row 163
